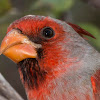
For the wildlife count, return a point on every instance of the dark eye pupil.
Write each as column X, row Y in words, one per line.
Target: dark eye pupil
column 48, row 33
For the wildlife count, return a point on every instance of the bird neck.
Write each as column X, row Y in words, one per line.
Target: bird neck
column 63, row 87
column 60, row 84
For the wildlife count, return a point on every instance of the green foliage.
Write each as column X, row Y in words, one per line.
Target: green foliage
column 53, row 6
column 59, row 5
column 4, row 6
column 94, row 31
column 3, row 29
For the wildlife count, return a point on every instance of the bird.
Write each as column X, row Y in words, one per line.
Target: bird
column 54, row 60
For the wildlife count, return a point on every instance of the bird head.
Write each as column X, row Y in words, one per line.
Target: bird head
column 43, row 48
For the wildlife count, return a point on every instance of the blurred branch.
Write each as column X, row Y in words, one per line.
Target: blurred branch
column 22, row 5
column 2, row 98
column 7, row 92
column 95, row 3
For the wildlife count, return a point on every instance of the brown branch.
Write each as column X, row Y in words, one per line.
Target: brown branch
column 2, row 98
column 7, row 92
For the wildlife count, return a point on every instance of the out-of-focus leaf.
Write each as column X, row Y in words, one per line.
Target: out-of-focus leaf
column 59, row 5
column 4, row 6
column 3, row 29
column 53, row 6
column 95, row 31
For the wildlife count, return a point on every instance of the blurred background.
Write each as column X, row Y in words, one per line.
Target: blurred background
column 85, row 13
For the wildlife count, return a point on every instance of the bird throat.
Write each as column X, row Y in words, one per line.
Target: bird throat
column 31, row 73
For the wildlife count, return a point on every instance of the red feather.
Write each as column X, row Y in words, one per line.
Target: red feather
column 80, row 31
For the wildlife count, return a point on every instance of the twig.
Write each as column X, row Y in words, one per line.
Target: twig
column 8, row 93
column 2, row 98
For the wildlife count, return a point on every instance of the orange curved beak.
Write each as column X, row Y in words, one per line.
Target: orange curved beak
column 18, row 47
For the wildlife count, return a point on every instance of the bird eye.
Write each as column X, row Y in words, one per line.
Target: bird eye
column 48, row 32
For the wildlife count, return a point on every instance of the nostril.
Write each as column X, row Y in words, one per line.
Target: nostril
column 20, row 31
